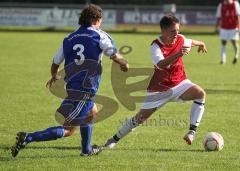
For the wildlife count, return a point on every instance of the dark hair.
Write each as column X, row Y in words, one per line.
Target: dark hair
column 167, row 21
column 89, row 14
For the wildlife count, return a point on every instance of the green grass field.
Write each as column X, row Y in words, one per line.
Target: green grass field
column 26, row 105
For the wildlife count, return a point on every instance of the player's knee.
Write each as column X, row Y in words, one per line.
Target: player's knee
column 201, row 94
column 69, row 132
column 224, row 43
column 91, row 115
column 89, row 118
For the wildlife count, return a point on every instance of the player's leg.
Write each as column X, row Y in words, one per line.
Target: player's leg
column 197, row 94
column 223, row 51
column 129, row 125
column 86, row 127
column 51, row 133
column 236, row 50
column 152, row 101
column 68, row 131
column 224, row 36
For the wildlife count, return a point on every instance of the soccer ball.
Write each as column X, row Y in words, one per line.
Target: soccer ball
column 213, row 141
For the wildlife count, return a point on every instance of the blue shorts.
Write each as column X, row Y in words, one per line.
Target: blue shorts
column 75, row 112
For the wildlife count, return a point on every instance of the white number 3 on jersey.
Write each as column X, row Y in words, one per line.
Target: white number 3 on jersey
column 80, row 49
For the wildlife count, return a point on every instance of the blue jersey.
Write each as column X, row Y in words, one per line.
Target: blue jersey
column 82, row 51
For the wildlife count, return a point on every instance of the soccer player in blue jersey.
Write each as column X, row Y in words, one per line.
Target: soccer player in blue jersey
column 82, row 52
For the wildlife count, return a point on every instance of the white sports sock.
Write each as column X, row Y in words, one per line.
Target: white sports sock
column 223, row 53
column 197, row 112
column 127, row 127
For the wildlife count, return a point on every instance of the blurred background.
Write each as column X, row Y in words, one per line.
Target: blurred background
column 133, row 16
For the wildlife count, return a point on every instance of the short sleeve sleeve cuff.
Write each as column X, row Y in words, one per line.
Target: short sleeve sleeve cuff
column 107, row 44
column 156, row 53
column 59, row 56
column 218, row 13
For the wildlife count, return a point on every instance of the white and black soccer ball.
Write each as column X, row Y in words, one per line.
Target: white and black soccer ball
column 213, row 141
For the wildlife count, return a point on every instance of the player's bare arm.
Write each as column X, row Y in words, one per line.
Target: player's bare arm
column 55, row 77
column 201, row 46
column 121, row 61
column 170, row 59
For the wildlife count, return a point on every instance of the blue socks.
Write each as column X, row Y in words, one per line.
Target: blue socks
column 54, row 133
column 48, row 134
column 86, row 134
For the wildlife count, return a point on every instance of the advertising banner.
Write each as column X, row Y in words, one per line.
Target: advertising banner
column 153, row 17
column 52, row 17
column 56, row 17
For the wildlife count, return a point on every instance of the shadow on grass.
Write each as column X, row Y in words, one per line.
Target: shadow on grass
column 5, row 153
column 5, row 148
column 6, row 156
column 54, row 147
column 219, row 91
column 160, row 150
column 179, row 150
column 19, row 157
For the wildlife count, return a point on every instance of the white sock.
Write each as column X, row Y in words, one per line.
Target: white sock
column 197, row 111
column 223, row 53
column 127, row 127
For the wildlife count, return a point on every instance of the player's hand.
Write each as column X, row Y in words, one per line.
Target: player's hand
column 202, row 48
column 124, row 67
column 184, row 51
column 52, row 81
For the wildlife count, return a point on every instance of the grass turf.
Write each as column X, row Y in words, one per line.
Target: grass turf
column 27, row 105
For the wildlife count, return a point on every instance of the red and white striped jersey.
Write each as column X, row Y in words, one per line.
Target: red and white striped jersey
column 170, row 76
column 228, row 13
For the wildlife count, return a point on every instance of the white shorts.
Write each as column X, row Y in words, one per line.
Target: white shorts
column 229, row 34
column 158, row 99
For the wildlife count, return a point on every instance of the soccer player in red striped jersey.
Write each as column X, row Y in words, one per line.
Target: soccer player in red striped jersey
column 169, row 81
column 228, row 19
